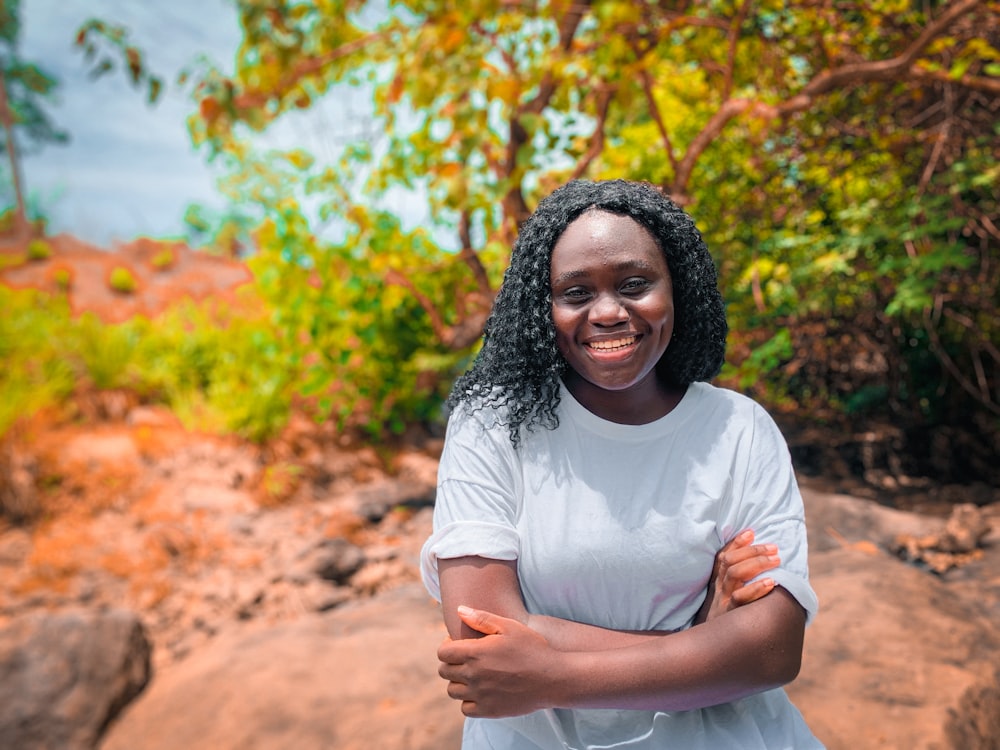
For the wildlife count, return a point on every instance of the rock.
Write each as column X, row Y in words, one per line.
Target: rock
column 377, row 499
column 359, row 677
column 957, row 543
column 836, row 520
column 975, row 724
column 18, row 475
column 964, row 530
column 893, row 649
column 334, row 560
column 64, row 676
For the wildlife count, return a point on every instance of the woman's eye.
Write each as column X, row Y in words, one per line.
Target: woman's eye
column 634, row 285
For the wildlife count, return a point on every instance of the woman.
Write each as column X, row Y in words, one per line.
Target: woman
column 589, row 476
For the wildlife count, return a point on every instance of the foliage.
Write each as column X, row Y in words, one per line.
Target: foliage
column 163, row 260
column 101, row 42
column 39, row 249
column 34, row 374
column 839, row 159
column 23, row 88
column 62, row 277
column 218, row 369
column 122, row 280
column 358, row 349
column 28, row 86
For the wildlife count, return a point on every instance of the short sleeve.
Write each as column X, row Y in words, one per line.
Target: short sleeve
column 767, row 500
column 475, row 509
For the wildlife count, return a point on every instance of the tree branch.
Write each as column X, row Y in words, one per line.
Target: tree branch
column 305, row 66
column 654, row 111
column 989, row 85
column 949, row 364
column 823, row 83
column 876, row 70
column 604, row 98
column 514, row 204
column 732, row 39
column 471, row 258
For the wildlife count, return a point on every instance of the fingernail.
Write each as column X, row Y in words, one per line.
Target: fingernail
column 746, row 534
column 770, row 548
column 768, row 582
column 463, row 610
column 774, row 558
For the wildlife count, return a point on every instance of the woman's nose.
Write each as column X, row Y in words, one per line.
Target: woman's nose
column 608, row 310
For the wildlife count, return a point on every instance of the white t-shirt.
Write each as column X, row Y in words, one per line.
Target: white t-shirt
column 618, row 526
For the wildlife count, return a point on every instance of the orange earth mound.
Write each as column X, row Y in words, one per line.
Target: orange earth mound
column 164, row 272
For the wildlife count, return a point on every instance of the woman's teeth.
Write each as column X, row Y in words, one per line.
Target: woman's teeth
column 611, row 345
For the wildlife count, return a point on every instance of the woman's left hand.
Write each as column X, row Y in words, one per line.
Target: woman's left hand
column 735, row 564
column 505, row 673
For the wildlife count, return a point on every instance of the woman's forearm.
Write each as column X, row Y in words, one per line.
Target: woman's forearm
column 567, row 635
column 515, row 670
column 751, row 649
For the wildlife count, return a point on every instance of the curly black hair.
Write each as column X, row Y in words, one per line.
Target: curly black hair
column 519, row 366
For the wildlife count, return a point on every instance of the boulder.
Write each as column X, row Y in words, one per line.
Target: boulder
column 64, row 676
column 362, row 676
column 897, row 656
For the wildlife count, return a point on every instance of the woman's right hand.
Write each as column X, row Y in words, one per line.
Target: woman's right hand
column 735, row 564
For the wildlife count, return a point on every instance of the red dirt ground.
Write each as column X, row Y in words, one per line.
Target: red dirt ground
column 165, row 272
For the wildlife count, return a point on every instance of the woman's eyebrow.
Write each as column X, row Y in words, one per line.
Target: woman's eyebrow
column 625, row 265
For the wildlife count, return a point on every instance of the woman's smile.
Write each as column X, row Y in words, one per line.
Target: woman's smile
column 613, row 345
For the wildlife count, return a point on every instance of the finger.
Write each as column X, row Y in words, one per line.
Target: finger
column 742, row 539
column 482, row 622
column 457, row 691
column 748, row 569
column 451, row 652
column 753, row 591
column 734, row 556
column 449, row 672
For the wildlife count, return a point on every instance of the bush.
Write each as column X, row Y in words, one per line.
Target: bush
column 62, row 278
column 122, row 280
column 163, row 259
column 39, row 250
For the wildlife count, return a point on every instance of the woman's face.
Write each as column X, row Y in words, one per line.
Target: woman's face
column 613, row 306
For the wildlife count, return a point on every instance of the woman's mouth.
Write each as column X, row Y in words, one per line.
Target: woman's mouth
column 611, row 345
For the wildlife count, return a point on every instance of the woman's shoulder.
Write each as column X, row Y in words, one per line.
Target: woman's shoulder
column 479, row 414
column 711, row 394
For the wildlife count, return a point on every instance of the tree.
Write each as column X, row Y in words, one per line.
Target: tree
column 810, row 140
column 23, row 87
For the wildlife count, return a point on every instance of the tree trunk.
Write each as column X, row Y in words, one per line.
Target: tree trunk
column 21, row 229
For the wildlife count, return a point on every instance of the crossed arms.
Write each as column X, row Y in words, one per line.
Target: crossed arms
column 502, row 660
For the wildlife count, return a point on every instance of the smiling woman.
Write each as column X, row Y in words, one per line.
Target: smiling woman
column 598, row 502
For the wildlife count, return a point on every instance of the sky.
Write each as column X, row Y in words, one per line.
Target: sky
column 129, row 168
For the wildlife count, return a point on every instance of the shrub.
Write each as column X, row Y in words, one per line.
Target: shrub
column 62, row 278
column 122, row 280
column 163, row 259
column 39, row 250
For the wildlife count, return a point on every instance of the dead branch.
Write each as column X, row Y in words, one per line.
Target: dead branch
column 952, row 368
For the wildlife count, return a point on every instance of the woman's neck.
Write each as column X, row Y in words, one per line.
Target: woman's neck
column 640, row 404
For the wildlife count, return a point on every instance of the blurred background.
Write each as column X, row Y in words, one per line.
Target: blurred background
column 250, row 243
